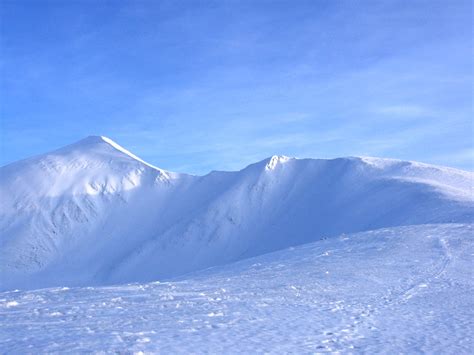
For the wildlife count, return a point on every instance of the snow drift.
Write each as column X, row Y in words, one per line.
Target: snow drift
column 396, row 290
column 93, row 213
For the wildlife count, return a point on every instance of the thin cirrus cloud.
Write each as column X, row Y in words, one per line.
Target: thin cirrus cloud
column 404, row 111
column 196, row 87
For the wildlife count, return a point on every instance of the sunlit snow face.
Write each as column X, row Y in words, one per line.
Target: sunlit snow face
column 275, row 160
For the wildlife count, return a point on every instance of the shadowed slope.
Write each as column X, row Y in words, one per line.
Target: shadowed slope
column 93, row 213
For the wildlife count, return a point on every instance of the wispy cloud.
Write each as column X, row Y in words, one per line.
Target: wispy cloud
column 218, row 87
column 401, row 111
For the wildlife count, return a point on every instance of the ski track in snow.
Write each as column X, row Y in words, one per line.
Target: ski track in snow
column 404, row 289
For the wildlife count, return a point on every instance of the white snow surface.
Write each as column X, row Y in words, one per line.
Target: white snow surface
column 394, row 290
column 102, row 252
column 93, row 214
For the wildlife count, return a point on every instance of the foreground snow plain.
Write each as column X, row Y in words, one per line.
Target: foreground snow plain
column 394, row 290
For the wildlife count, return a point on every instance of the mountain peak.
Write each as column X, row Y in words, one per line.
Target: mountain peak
column 273, row 161
column 93, row 139
column 96, row 141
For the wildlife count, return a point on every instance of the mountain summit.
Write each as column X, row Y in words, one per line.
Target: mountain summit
column 94, row 213
column 102, row 144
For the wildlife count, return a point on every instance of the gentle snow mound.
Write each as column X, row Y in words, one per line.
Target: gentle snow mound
column 395, row 290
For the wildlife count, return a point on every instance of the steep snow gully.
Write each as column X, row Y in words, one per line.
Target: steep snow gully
column 92, row 213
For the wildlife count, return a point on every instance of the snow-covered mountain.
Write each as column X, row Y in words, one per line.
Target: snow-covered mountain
column 93, row 213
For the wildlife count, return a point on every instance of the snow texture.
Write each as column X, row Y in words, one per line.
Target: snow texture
column 395, row 290
column 92, row 213
column 102, row 252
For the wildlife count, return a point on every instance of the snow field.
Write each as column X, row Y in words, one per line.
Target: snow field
column 404, row 289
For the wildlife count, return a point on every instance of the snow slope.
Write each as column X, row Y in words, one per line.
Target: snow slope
column 395, row 290
column 92, row 213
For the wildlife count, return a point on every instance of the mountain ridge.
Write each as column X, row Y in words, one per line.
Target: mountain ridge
column 102, row 215
column 100, row 139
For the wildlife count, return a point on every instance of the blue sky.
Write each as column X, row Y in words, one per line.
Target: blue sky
column 194, row 86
